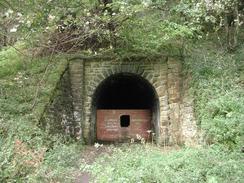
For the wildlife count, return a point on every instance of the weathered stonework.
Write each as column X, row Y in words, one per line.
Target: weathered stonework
column 58, row 116
column 175, row 123
column 187, row 118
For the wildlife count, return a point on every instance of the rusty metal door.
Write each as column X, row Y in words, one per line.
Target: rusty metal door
column 119, row 125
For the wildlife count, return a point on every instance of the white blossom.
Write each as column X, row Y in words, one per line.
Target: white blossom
column 10, row 11
column 97, row 145
column 138, row 137
column 146, row 3
column 14, row 28
column 149, row 131
column 19, row 14
column 28, row 23
column 51, row 17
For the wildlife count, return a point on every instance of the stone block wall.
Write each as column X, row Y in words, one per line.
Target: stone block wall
column 176, row 123
column 58, row 115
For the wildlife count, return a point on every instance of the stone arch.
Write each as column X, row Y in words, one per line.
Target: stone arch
column 99, row 78
column 165, row 75
column 149, row 98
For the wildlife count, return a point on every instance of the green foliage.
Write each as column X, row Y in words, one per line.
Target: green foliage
column 214, row 16
column 29, row 76
column 209, row 15
column 121, row 26
column 124, row 27
column 137, row 163
column 151, row 35
column 10, row 61
column 26, row 85
column 225, row 125
column 61, row 160
column 218, row 93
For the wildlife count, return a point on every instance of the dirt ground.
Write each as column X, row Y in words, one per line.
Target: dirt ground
column 89, row 155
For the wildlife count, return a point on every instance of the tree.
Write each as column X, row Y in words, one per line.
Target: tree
column 213, row 16
column 123, row 27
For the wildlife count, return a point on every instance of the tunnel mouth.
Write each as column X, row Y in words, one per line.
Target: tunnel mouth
column 119, row 103
column 124, row 91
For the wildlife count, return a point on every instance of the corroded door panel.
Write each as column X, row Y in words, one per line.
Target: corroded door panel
column 118, row 125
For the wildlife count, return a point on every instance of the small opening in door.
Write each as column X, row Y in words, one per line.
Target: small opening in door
column 124, row 120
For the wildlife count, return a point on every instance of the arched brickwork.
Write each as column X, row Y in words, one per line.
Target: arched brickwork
column 164, row 75
column 149, row 97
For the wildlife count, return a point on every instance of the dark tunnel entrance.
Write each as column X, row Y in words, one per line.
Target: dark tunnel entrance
column 125, row 105
column 124, row 91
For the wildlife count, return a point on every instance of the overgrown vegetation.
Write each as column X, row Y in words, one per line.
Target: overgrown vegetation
column 207, row 34
column 144, row 27
column 218, row 89
column 136, row 163
column 26, row 86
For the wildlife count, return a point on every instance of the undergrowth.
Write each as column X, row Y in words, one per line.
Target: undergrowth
column 218, row 92
column 138, row 163
column 26, row 84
